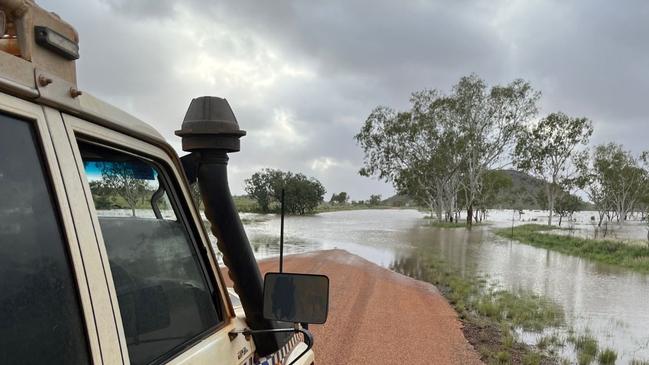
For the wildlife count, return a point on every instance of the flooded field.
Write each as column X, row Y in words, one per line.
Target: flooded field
column 611, row 303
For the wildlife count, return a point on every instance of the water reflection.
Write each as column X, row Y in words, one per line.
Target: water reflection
column 610, row 301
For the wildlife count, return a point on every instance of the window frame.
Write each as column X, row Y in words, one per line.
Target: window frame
column 180, row 213
column 35, row 115
column 178, row 192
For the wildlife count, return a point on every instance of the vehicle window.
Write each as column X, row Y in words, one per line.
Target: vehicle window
column 164, row 297
column 40, row 314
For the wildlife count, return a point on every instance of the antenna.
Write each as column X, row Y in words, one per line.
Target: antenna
column 281, row 235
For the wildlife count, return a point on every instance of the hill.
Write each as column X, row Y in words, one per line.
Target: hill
column 399, row 200
column 524, row 192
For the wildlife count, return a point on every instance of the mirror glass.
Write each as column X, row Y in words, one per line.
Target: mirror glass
column 302, row 298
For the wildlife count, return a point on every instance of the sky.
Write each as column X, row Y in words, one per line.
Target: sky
column 302, row 76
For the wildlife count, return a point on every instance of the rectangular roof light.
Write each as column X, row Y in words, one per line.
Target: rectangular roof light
column 56, row 42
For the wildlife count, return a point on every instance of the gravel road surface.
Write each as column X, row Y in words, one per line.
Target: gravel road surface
column 377, row 316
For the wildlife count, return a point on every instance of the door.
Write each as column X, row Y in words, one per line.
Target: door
column 46, row 311
column 169, row 302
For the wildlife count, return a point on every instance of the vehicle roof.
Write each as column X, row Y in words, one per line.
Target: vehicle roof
column 101, row 112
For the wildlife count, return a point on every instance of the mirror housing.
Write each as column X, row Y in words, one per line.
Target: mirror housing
column 296, row 298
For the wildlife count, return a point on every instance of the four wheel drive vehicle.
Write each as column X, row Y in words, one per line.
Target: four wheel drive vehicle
column 103, row 255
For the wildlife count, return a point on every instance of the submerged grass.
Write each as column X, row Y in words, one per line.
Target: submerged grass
column 607, row 357
column 491, row 315
column 633, row 257
column 439, row 224
column 434, row 222
column 473, row 295
column 586, row 347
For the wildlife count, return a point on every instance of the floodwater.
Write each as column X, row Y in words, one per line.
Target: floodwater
column 611, row 303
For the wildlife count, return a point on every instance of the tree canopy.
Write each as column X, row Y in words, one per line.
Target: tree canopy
column 615, row 180
column 446, row 143
column 546, row 150
column 302, row 195
column 340, row 198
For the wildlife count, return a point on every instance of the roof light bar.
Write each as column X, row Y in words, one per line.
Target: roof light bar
column 56, row 42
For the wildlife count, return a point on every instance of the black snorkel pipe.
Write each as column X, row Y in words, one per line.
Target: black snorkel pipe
column 209, row 132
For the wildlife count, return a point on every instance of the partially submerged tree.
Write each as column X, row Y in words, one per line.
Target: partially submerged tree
column 622, row 179
column 260, row 187
column 302, row 194
column 567, row 204
column 547, row 149
column 415, row 150
column 340, row 198
column 375, row 199
column 446, row 143
column 488, row 122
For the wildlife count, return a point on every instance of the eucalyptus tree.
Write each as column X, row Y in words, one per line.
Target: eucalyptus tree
column 340, row 198
column 416, row 150
column 615, row 179
column 302, row 194
column 591, row 183
column 488, row 121
column 547, row 150
column 567, row 204
column 445, row 144
column 375, row 199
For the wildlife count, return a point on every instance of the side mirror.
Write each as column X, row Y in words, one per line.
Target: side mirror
column 296, row 298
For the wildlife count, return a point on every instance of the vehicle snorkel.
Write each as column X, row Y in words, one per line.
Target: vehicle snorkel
column 209, row 132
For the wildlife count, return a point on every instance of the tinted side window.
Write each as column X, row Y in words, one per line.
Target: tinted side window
column 164, row 296
column 40, row 316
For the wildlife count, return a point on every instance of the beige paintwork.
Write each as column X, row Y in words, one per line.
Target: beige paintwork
column 29, row 111
column 60, row 119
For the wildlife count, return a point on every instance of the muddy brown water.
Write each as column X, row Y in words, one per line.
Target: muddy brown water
column 609, row 302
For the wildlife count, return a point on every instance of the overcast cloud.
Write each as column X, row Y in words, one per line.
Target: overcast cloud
column 302, row 76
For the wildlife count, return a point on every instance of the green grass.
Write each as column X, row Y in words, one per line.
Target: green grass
column 328, row 207
column 549, row 342
column 532, row 358
column 633, row 257
column 245, row 204
column 586, row 348
column 639, row 362
column 439, row 224
column 484, row 306
column 472, row 295
column 607, row 357
column 522, row 309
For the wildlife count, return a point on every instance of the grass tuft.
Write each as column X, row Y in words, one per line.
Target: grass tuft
column 532, row 358
column 633, row 257
column 485, row 306
column 439, row 224
column 586, row 347
column 607, row 357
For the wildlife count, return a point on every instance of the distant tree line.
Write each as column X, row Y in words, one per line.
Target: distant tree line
column 443, row 152
column 344, row 198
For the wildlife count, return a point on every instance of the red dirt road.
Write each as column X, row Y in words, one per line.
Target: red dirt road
column 377, row 316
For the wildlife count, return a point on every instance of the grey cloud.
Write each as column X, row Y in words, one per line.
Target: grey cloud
column 587, row 57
